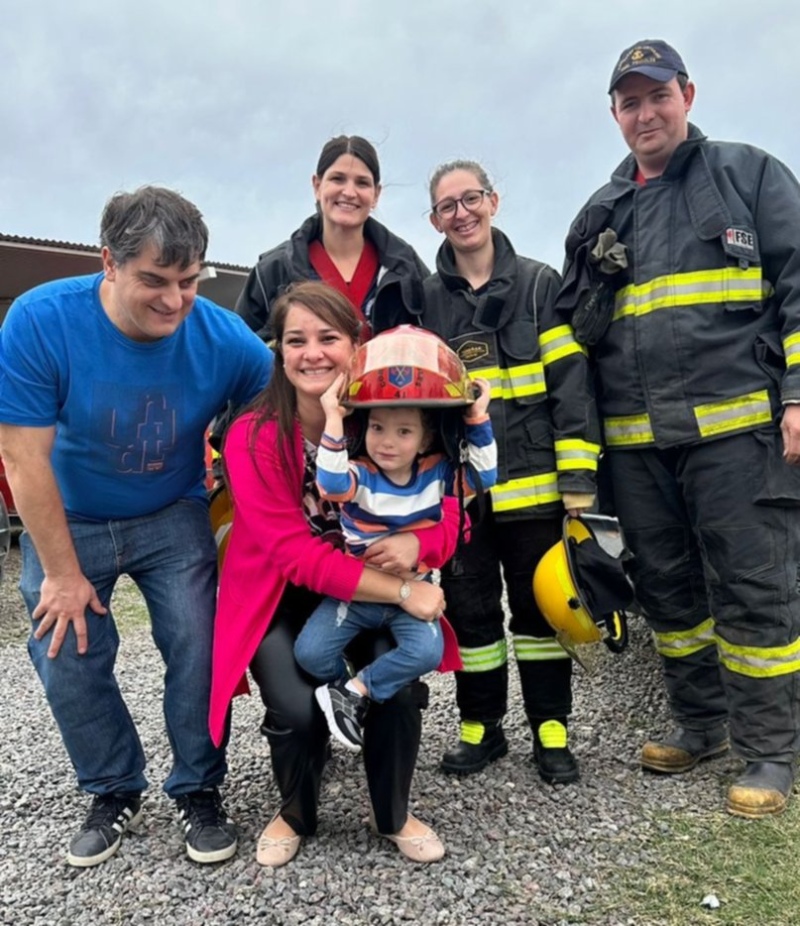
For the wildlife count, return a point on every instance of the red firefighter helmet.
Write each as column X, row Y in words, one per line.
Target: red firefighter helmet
column 407, row 366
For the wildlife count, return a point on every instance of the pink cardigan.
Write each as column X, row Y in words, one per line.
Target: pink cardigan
column 270, row 545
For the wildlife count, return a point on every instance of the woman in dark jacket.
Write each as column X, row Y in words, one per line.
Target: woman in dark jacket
column 343, row 246
column 495, row 309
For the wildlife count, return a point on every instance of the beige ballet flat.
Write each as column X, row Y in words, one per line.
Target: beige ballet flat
column 271, row 852
column 424, row 848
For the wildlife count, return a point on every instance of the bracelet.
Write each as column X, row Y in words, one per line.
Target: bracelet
column 337, row 441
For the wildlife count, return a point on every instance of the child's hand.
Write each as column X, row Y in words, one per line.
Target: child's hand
column 479, row 406
column 329, row 400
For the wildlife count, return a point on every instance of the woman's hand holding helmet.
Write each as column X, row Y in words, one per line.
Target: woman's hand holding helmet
column 577, row 502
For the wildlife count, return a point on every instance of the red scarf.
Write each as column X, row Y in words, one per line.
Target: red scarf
column 363, row 280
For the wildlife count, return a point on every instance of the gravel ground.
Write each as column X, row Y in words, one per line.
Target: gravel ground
column 518, row 851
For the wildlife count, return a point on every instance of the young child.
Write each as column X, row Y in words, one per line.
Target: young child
column 395, row 487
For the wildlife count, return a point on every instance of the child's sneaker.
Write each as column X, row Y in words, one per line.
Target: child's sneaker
column 344, row 710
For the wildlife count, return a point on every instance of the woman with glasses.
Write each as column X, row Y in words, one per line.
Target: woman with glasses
column 495, row 309
column 342, row 245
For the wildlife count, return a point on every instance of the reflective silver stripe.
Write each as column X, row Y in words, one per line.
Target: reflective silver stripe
column 573, row 453
column 484, row 658
column 526, row 379
column 760, row 661
column 791, row 349
column 525, row 492
column 538, row 649
column 628, row 430
column 744, row 411
column 699, row 287
column 222, row 532
column 514, row 382
column 685, row 642
column 557, row 343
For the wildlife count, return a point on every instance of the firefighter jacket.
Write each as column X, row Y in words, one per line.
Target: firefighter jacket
column 542, row 409
column 397, row 299
column 704, row 338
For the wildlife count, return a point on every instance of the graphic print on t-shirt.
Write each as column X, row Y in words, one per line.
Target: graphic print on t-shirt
column 139, row 427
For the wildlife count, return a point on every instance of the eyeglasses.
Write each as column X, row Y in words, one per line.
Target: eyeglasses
column 471, row 200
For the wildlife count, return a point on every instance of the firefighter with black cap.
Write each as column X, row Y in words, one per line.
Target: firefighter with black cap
column 682, row 279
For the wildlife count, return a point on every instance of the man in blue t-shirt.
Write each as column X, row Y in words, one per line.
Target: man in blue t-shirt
column 107, row 385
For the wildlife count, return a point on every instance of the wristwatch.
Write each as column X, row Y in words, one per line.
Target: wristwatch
column 405, row 592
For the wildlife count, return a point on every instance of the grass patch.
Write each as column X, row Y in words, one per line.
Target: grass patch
column 752, row 867
column 128, row 607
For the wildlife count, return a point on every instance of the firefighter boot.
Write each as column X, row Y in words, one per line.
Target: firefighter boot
column 763, row 789
column 552, row 756
column 480, row 744
column 683, row 749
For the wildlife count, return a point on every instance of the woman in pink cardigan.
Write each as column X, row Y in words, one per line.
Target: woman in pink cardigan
column 284, row 554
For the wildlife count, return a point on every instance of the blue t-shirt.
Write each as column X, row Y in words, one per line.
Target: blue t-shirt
column 130, row 416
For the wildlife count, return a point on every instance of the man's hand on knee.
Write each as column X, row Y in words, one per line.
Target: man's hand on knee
column 62, row 602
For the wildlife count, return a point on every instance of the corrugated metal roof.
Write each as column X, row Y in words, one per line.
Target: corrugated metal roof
column 88, row 248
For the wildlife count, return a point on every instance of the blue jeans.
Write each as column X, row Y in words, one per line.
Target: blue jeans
column 172, row 558
column 334, row 624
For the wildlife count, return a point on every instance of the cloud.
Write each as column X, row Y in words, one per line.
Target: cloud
column 230, row 102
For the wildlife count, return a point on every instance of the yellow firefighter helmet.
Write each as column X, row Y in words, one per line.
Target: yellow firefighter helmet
column 220, row 510
column 581, row 587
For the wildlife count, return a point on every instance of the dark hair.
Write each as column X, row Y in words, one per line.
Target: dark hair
column 349, row 144
column 472, row 166
column 155, row 216
column 278, row 401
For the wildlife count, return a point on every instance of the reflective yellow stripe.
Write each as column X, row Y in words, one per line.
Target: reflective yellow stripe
column 553, row 734
column 522, row 380
column 494, row 377
column 514, row 382
column 700, row 287
column 557, row 343
column 791, row 349
column 760, row 661
column 538, row 649
column 685, row 642
column 484, row 658
column 573, row 454
column 472, row 732
column 628, row 430
column 525, row 492
column 744, row 411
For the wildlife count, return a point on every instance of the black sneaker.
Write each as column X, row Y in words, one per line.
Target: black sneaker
column 210, row 833
column 108, row 818
column 344, row 710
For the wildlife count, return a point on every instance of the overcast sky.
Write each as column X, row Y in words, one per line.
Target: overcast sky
column 230, row 102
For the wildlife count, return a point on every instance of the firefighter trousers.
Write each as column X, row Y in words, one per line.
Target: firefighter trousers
column 716, row 572
column 510, row 551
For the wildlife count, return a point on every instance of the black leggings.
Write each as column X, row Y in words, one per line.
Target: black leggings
column 298, row 733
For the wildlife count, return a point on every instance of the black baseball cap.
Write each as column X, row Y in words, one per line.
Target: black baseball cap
column 651, row 57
